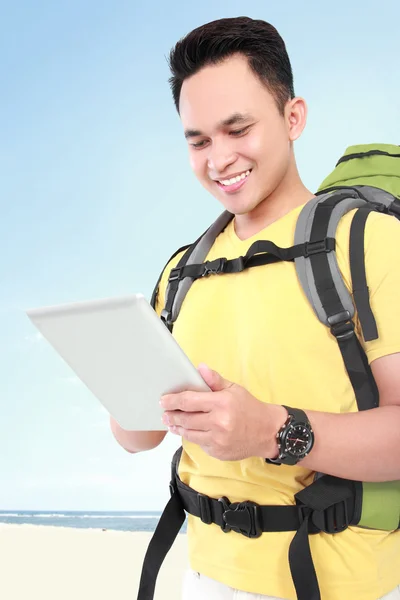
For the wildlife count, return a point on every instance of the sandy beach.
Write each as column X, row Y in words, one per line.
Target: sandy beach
column 57, row 563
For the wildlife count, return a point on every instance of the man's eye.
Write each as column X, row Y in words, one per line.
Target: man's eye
column 235, row 132
column 199, row 144
column 238, row 131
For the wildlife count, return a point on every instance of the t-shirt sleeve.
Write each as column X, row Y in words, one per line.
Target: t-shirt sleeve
column 382, row 263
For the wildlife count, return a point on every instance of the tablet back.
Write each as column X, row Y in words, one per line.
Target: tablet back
column 122, row 352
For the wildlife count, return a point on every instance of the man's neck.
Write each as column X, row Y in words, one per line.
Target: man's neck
column 278, row 204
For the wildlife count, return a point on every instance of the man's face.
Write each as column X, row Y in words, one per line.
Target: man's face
column 234, row 129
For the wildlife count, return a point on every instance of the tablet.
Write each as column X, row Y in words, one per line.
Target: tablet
column 120, row 349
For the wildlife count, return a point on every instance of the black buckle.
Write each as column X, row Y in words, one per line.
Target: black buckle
column 166, row 317
column 214, row 267
column 333, row 519
column 242, row 517
column 175, row 274
column 311, row 248
column 342, row 327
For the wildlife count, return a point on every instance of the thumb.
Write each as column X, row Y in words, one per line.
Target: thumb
column 214, row 380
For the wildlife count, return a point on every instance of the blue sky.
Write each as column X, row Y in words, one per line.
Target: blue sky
column 96, row 193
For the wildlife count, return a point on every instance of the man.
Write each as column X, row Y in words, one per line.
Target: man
column 233, row 88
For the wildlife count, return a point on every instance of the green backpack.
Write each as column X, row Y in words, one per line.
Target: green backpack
column 366, row 178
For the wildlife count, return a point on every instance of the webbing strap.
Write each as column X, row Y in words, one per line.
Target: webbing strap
column 324, row 283
column 328, row 504
column 154, row 295
column 359, row 371
column 164, row 536
column 346, row 202
column 176, row 291
column 173, row 286
column 260, row 253
column 358, row 274
column 339, row 319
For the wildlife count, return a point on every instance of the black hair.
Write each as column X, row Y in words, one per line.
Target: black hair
column 214, row 42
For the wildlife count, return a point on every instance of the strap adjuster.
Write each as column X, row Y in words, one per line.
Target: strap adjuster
column 342, row 326
column 325, row 245
column 205, row 509
column 241, row 517
column 333, row 519
column 175, row 274
column 166, row 318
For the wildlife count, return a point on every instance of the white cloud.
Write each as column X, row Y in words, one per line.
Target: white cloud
column 34, row 338
column 30, row 341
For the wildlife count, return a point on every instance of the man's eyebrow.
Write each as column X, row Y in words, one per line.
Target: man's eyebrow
column 232, row 120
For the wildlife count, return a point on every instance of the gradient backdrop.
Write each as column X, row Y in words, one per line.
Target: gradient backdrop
column 96, row 193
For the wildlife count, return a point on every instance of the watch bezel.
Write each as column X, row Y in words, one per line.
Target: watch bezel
column 286, row 455
column 292, row 428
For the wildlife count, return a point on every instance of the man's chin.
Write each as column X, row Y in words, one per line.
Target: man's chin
column 239, row 207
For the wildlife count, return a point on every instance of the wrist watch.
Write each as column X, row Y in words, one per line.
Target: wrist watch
column 295, row 438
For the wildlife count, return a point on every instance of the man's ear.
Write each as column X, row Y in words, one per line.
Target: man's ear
column 296, row 117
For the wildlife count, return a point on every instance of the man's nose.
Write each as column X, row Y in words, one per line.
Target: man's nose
column 219, row 158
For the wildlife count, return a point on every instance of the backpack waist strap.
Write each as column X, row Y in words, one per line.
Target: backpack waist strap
column 329, row 504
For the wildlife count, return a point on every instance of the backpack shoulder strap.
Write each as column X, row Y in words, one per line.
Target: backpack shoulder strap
column 178, row 288
column 325, row 289
column 317, row 221
column 374, row 199
column 154, row 295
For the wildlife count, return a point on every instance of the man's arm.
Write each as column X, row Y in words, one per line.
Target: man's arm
column 136, row 441
column 366, row 445
column 363, row 446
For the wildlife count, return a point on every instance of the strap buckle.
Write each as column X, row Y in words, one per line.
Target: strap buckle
column 175, row 274
column 333, row 519
column 214, row 267
column 342, row 326
column 166, row 317
column 317, row 247
column 241, row 517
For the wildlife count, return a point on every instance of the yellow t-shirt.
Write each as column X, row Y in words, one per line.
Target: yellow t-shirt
column 257, row 328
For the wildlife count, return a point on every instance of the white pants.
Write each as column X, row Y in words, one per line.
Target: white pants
column 200, row 587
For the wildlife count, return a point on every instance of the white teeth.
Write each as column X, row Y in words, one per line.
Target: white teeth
column 235, row 179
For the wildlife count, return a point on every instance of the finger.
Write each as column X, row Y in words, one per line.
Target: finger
column 201, row 438
column 213, row 379
column 198, row 421
column 188, row 401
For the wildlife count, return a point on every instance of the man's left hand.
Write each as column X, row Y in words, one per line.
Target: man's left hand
column 228, row 422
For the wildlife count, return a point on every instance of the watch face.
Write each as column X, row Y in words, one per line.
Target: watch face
column 298, row 440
